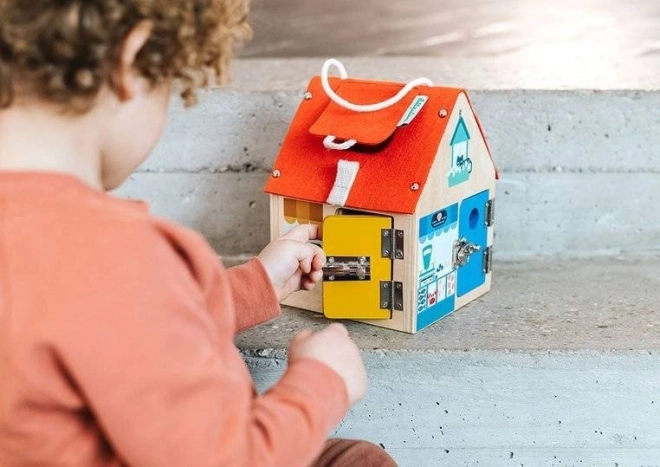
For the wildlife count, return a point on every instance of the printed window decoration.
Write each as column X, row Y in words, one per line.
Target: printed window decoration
column 302, row 212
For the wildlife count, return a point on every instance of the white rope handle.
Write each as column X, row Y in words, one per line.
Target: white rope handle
column 369, row 107
column 329, row 143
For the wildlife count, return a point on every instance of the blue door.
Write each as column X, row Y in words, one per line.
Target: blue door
column 472, row 227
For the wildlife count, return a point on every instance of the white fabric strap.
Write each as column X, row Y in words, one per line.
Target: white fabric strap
column 369, row 107
column 346, row 173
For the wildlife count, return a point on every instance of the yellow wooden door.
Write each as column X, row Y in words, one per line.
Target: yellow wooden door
column 356, row 270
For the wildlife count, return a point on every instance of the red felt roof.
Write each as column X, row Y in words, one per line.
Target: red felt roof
column 391, row 159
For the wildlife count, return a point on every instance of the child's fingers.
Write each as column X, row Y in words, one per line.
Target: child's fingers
column 319, row 259
column 303, row 233
column 302, row 336
column 316, row 276
column 306, row 263
column 304, row 253
column 337, row 327
column 310, row 281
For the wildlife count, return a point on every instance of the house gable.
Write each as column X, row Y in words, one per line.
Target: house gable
column 461, row 133
column 444, row 211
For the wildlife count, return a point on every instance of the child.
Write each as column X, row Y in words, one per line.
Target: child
column 116, row 328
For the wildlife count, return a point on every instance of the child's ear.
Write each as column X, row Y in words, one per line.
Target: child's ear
column 126, row 76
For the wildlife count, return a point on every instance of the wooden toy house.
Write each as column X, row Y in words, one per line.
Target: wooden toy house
column 404, row 194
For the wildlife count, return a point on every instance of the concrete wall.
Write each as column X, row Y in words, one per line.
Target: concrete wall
column 580, row 169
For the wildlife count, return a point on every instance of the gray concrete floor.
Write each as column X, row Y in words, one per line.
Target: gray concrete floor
column 606, row 304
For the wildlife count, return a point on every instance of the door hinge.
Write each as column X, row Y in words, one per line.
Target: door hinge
column 391, row 243
column 391, row 295
column 488, row 260
column 490, row 213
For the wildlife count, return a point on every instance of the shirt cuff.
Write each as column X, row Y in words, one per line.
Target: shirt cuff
column 255, row 300
column 322, row 388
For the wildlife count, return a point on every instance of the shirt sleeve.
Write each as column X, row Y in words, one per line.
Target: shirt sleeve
column 255, row 300
column 166, row 385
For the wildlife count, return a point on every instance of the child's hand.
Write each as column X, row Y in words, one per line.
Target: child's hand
column 336, row 349
column 292, row 262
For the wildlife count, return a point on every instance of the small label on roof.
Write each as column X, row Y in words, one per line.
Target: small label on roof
column 414, row 109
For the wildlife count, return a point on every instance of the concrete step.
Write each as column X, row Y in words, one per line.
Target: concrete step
column 558, row 365
column 535, row 35
column 580, row 167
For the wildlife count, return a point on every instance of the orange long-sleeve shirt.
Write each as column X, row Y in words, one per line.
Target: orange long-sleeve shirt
column 116, row 342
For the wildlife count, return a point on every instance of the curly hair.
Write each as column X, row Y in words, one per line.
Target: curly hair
column 65, row 51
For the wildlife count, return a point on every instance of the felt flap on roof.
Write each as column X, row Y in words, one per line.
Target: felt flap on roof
column 369, row 128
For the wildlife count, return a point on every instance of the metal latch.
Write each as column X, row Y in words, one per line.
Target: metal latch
column 347, row 268
column 462, row 252
column 391, row 243
column 490, row 213
column 391, row 295
column 488, row 260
